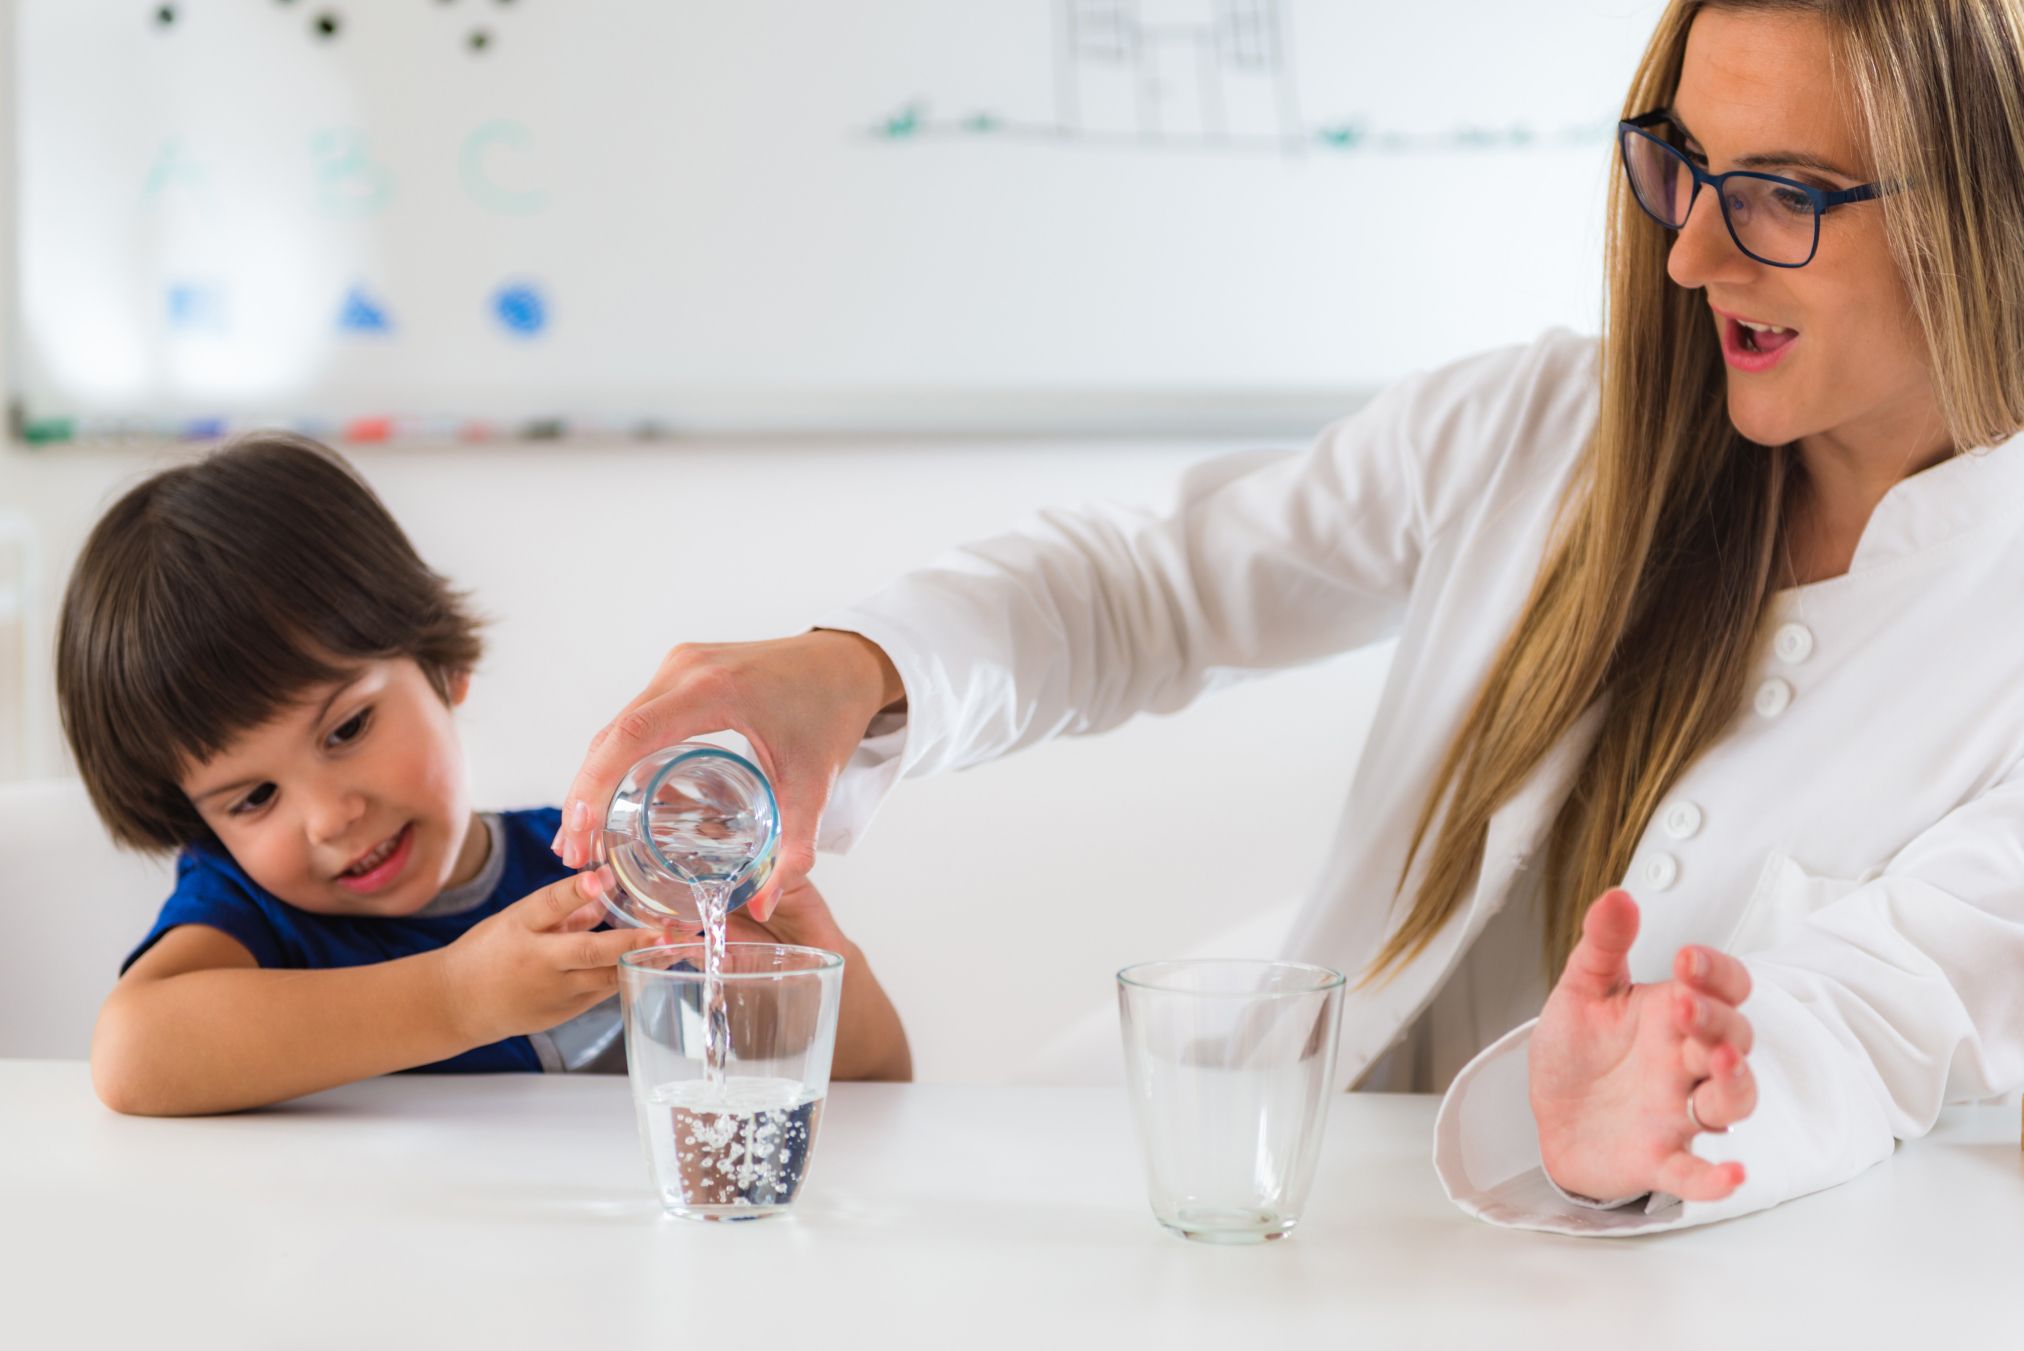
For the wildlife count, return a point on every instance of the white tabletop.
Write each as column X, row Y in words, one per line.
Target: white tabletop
column 514, row 1211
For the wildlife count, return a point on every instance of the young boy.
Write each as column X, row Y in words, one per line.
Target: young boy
column 255, row 667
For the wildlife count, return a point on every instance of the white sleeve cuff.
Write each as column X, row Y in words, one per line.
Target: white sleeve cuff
column 1486, row 1152
column 877, row 763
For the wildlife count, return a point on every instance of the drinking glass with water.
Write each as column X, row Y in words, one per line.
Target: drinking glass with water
column 1230, row 1066
column 729, row 1127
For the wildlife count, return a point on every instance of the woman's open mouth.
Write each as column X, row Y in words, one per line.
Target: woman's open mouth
column 380, row 865
column 1751, row 346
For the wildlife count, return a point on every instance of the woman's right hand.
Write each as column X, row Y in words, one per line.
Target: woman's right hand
column 802, row 702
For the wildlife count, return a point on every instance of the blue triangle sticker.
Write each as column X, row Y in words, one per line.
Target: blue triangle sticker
column 362, row 314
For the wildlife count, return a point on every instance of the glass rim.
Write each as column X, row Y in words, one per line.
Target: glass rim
column 1334, row 979
column 827, row 961
column 710, row 751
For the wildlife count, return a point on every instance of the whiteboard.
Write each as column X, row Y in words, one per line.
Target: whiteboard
column 476, row 217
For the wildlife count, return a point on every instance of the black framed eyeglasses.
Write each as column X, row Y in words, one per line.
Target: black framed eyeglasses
column 1774, row 220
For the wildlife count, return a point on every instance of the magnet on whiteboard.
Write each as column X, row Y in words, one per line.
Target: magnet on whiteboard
column 521, row 308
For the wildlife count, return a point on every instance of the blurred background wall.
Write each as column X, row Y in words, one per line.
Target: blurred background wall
column 997, row 903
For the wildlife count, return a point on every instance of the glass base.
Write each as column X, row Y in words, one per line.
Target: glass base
column 1229, row 1226
column 722, row 1214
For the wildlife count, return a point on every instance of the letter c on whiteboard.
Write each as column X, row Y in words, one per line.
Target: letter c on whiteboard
column 482, row 150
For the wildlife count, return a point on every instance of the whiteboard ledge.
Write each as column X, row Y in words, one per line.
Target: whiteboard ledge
column 717, row 414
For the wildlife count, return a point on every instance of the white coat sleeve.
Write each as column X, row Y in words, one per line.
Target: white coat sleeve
column 1081, row 619
column 1873, row 1003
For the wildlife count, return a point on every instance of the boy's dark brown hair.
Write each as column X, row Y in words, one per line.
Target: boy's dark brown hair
column 214, row 594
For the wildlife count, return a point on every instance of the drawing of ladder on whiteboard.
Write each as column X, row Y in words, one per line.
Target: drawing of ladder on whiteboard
column 1185, row 70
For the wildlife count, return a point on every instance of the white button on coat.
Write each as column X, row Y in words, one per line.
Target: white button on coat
column 1793, row 643
column 1661, row 872
column 1772, row 698
column 1683, row 820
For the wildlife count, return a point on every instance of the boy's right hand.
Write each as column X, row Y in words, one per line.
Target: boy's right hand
column 536, row 963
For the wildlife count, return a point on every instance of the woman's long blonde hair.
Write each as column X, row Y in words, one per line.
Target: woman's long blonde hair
column 1653, row 598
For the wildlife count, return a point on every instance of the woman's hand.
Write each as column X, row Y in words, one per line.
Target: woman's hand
column 803, row 702
column 1612, row 1065
column 536, row 963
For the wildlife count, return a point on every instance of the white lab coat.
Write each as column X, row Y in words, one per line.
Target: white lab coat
column 1857, row 836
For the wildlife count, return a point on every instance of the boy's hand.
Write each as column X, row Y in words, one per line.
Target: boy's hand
column 536, row 963
column 800, row 918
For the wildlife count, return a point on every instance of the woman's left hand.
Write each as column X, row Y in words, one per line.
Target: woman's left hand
column 1613, row 1064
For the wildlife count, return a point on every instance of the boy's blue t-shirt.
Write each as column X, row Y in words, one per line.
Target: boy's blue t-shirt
column 213, row 889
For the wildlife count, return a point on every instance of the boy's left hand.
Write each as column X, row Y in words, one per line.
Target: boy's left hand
column 800, row 918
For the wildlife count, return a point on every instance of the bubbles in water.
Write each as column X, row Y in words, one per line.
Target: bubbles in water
column 742, row 1145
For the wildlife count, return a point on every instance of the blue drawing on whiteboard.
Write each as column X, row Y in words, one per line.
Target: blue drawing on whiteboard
column 362, row 314
column 521, row 309
column 196, row 307
column 349, row 181
column 477, row 162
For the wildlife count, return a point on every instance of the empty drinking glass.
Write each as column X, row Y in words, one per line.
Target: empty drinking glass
column 736, row 1144
column 1230, row 1065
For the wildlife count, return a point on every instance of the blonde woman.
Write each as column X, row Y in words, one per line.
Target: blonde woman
column 1712, row 620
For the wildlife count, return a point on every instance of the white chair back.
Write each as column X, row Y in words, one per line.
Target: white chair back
column 73, row 906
